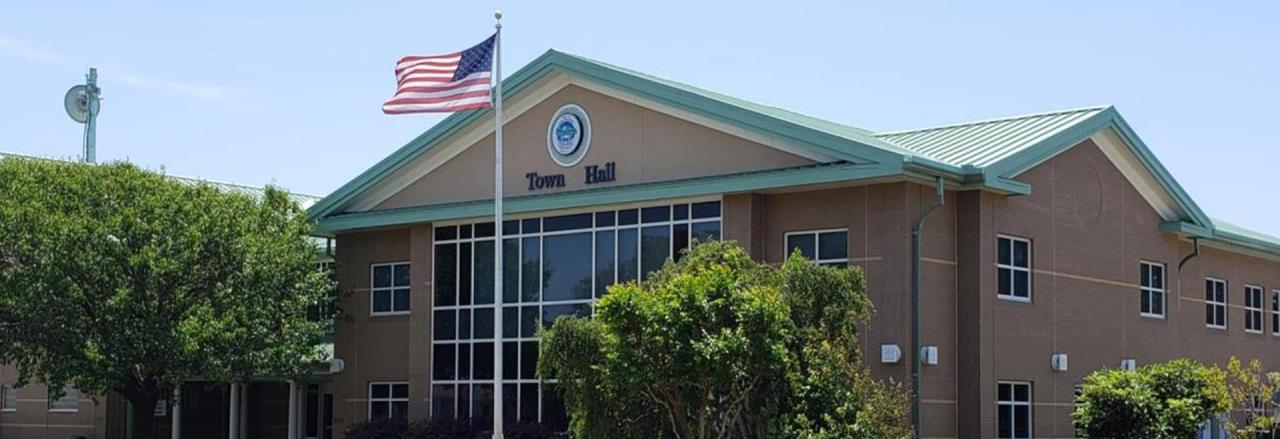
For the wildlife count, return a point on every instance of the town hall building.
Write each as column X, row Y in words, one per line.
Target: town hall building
column 1047, row 246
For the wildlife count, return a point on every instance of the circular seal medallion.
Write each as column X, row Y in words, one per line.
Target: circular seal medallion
column 569, row 135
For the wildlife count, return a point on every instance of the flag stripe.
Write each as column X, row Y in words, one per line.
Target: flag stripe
column 437, row 100
column 463, row 104
column 442, row 83
column 434, row 87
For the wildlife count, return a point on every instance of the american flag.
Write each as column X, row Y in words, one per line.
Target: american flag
column 443, row 83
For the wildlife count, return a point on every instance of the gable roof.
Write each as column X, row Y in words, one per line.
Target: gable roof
column 985, row 154
column 986, row 142
column 844, row 143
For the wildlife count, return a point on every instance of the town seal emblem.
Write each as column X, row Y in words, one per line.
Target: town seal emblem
column 569, row 135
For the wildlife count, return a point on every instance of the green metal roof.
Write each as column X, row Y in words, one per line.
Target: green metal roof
column 987, row 154
column 986, row 142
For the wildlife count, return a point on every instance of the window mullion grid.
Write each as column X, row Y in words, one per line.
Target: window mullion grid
column 540, row 303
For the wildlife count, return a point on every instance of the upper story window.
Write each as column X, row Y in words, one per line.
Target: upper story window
column 1152, row 280
column 1013, row 268
column 389, row 293
column 69, row 402
column 1253, row 309
column 388, row 400
column 8, row 398
column 1275, row 312
column 1013, row 401
column 825, row 247
column 1215, row 303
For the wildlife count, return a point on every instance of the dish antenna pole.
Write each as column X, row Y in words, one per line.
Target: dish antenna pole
column 83, row 103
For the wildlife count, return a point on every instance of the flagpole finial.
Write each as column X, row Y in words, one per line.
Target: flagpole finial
column 497, row 15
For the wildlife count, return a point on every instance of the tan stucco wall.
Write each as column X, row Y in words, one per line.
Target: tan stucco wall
column 646, row 145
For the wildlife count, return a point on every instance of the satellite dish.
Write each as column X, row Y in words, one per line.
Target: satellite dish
column 77, row 103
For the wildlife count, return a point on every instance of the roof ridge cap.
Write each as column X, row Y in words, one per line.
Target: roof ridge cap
column 993, row 120
column 714, row 94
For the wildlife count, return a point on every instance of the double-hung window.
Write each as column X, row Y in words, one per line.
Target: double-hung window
column 1013, row 268
column 1275, row 312
column 8, row 398
column 1152, row 279
column 1215, row 303
column 388, row 400
column 69, row 402
column 1014, row 410
column 389, row 293
column 1253, row 309
column 824, row 247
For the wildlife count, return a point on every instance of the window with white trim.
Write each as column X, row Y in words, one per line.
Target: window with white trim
column 824, row 247
column 69, row 402
column 553, row 266
column 1253, row 309
column 1215, row 303
column 1013, row 268
column 388, row 400
column 1152, row 297
column 1013, row 402
column 389, row 289
column 1275, row 312
column 8, row 398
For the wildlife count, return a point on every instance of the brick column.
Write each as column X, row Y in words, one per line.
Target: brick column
column 742, row 221
column 975, row 242
column 419, row 336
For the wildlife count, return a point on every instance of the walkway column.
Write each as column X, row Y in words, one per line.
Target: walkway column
column 233, row 411
column 175, row 414
column 293, row 410
column 244, row 411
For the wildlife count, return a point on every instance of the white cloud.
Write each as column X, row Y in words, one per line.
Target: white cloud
column 32, row 52
column 229, row 97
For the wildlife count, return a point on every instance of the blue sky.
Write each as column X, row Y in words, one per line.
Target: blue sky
column 264, row 92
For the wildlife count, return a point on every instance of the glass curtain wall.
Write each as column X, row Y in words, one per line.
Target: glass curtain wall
column 553, row 266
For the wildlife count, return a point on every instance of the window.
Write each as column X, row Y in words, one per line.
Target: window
column 8, row 399
column 1014, row 407
column 825, row 247
column 69, row 402
column 1275, row 312
column 388, row 400
column 552, row 266
column 1152, row 279
column 390, row 290
column 1253, row 309
column 1013, row 268
column 1215, row 303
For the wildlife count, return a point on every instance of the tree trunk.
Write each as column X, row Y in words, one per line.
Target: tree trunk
column 144, row 420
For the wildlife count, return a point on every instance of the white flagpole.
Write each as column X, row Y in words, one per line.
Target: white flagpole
column 497, row 228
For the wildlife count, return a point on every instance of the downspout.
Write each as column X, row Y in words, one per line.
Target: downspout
column 1194, row 253
column 915, row 306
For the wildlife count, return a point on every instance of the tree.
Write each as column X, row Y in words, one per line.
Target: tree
column 113, row 278
column 716, row 346
column 1253, row 393
column 1161, row 400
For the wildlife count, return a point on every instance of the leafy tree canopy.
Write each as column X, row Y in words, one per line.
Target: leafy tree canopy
column 113, row 278
column 718, row 345
column 1160, row 400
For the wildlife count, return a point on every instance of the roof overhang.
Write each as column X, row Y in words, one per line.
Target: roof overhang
column 692, row 187
column 793, row 133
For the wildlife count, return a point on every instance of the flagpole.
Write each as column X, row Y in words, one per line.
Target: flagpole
column 497, row 227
